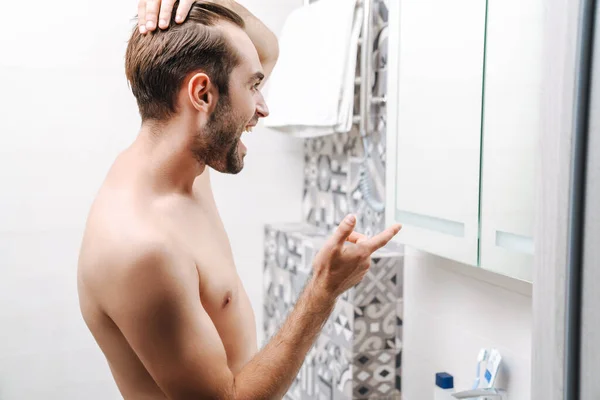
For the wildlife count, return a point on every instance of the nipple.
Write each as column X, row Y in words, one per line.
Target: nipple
column 227, row 299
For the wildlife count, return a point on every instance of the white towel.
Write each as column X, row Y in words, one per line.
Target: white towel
column 311, row 90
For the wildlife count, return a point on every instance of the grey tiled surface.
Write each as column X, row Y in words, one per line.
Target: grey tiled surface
column 359, row 352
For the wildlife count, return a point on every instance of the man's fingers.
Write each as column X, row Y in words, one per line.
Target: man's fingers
column 183, row 10
column 152, row 7
column 356, row 237
column 142, row 16
column 166, row 10
column 381, row 239
column 343, row 230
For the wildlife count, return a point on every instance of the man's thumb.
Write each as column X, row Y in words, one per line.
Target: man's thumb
column 344, row 229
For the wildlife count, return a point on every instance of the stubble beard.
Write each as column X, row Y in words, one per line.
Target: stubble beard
column 217, row 145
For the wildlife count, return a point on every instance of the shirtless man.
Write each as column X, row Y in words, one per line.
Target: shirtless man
column 157, row 284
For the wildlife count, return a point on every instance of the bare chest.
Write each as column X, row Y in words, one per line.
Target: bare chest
column 202, row 236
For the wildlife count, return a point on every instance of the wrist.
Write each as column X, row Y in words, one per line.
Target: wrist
column 320, row 292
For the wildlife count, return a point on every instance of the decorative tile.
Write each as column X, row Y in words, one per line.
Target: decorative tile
column 274, row 315
column 338, row 363
column 325, row 182
column 369, row 221
column 331, row 372
column 325, row 373
column 399, row 343
column 374, row 327
column 283, row 285
column 340, row 325
column 382, row 283
column 333, row 174
column 364, row 316
column 374, row 374
column 329, row 177
column 293, row 246
column 363, row 328
column 283, row 249
column 399, row 318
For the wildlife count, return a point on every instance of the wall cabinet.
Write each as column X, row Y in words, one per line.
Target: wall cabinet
column 463, row 121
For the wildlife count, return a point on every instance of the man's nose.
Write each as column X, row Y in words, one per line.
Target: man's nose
column 261, row 107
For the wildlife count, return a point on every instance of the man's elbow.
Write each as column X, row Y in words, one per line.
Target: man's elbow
column 275, row 51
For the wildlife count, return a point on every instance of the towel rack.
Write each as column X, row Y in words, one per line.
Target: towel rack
column 366, row 67
column 366, row 99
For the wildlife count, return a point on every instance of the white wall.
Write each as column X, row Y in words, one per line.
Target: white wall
column 65, row 112
column 452, row 310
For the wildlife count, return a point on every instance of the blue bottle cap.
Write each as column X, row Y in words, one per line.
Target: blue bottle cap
column 444, row 380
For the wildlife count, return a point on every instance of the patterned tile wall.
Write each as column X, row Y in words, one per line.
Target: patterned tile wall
column 358, row 354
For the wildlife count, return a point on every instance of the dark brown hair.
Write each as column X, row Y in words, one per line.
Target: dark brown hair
column 157, row 63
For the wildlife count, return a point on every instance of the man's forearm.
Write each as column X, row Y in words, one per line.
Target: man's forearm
column 264, row 40
column 271, row 372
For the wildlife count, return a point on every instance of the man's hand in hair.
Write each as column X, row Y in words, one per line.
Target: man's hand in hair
column 153, row 12
column 263, row 39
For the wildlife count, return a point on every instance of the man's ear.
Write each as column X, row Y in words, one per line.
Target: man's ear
column 202, row 92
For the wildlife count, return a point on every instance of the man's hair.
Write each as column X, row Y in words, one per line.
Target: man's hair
column 157, row 63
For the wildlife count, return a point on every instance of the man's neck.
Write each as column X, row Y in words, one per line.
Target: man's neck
column 167, row 150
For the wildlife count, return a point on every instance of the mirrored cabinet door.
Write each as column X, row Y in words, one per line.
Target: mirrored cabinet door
column 434, row 114
column 511, row 124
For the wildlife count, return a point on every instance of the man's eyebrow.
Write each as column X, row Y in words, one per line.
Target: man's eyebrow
column 257, row 76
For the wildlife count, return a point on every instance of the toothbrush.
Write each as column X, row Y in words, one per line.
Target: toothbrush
column 481, row 357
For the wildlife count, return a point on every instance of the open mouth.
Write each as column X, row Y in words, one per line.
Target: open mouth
column 251, row 125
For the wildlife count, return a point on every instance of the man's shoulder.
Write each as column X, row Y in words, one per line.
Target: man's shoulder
column 121, row 234
column 138, row 245
column 129, row 262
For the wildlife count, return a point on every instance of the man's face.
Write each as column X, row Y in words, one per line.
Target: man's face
column 237, row 112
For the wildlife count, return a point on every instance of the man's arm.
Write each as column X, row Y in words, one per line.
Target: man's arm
column 159, row 312
column 265, row 41
column 271, row 372
column 155, row 303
